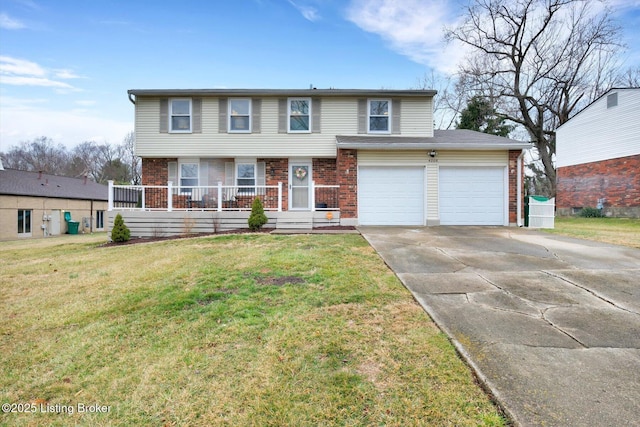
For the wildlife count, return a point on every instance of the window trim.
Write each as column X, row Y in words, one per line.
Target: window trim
column 389, row 116
column 189, row 115
column 24, row 232
column 309, row 114
column 230, row 116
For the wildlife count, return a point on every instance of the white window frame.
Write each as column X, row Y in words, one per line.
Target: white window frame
column 388, row 116
column 99, row 220
column 310, row 115
column 23, row 232
column 245, row 190
column 188, row 188
column 172, row 115
column 231, row 116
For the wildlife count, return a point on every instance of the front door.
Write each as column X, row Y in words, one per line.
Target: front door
column 299, row 185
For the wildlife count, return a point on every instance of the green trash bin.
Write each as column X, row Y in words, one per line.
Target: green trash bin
column 72, row 227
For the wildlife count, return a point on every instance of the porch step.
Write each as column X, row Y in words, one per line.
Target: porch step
column 295, row 221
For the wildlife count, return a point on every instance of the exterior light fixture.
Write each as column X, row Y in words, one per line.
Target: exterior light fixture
column 433, row 153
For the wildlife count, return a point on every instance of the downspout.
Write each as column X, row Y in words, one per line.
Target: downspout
column 133, row 101
column 519, row 190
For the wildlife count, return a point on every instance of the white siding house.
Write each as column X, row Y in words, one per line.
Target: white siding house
column 598, row 156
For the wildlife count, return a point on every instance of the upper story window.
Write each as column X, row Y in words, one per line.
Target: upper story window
column 240, row 115
column 299, row 115
column 379, row 113
column 180, row 115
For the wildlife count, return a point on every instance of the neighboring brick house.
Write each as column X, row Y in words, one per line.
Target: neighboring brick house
column 598, row 156
column 33, row 204
column 378, row 146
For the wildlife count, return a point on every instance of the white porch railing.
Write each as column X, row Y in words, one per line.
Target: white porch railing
column 213, row 198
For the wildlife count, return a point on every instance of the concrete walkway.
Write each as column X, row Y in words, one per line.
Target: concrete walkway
column 551, row 325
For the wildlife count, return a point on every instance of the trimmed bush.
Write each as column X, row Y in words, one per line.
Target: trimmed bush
column 591, row 213
column 120, row 232
column 257, row 218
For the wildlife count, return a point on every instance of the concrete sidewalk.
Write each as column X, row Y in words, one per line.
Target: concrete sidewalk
column 551, row 325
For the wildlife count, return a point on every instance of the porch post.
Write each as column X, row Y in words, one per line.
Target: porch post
column 279, row 196
column 169, row 196
column 219, row 196
column 110, row 203
column 313, row 196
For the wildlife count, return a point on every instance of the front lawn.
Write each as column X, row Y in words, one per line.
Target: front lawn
column 618, row 231
column 251, row 329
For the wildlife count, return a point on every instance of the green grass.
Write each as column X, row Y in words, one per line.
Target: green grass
column 253, row 329
column 618, row 231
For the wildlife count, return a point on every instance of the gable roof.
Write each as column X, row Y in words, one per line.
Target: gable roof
column 454, row 139
column 36, row 184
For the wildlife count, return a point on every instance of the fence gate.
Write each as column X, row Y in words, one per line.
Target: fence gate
column 540, row 212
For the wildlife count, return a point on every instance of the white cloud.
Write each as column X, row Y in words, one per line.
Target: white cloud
column 8, row 23
column 9, row 66
column 310, row 13
column 21, row 72
column 413, row 28
column 66, row 74
column 33, row 81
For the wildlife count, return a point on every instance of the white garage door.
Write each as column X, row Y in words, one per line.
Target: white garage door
column 472, row 196
column 390, row 195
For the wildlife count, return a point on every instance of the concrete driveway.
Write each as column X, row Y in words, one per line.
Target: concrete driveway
column 551, row 325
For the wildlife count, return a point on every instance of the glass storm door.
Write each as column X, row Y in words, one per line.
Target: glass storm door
column 299, row 186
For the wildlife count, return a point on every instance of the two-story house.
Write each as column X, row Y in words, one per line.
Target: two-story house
column 598, row 156
column 357, row 157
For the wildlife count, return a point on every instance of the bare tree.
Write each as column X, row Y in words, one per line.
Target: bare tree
column 539, row 61
column 130, row 159
column 449, row 101
column 41, row 154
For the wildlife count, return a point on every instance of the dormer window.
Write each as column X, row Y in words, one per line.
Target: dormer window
column 379, row 113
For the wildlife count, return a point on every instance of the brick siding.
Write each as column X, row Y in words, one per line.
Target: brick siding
column 616, row 180
column 156, row 172
column 347, row 174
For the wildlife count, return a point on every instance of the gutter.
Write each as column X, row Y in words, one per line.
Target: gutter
column 133, row 101
column 519, row 191
column 430, row 146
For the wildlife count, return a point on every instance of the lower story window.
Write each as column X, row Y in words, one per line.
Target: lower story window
column 246, row 177
column 99, row 219
column 24, row 221
column 188, row 177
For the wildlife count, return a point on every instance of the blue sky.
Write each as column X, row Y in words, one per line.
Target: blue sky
column 65, row 66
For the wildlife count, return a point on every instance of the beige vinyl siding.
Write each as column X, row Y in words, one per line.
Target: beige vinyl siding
column 416, row 118
column 339, row 117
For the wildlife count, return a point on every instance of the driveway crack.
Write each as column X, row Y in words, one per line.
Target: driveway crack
column 593, row 293
column 559, row 329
